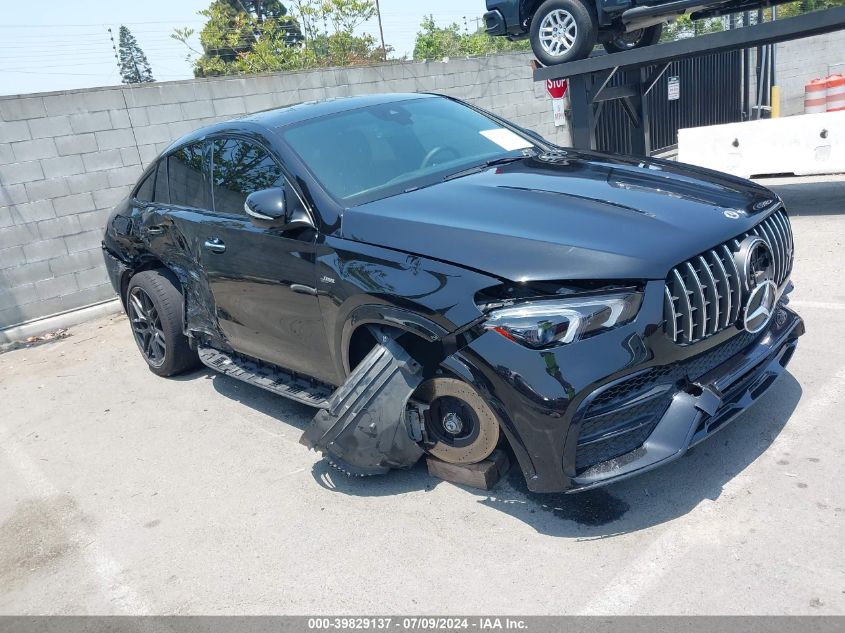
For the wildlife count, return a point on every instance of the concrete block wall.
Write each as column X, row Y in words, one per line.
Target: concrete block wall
column 67, row 158
column 799, row 61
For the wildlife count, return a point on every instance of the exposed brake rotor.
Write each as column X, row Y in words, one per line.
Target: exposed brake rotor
column 460, row 425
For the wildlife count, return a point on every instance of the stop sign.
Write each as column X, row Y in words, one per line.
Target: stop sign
column 557, row 87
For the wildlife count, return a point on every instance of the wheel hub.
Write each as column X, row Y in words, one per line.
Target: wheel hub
column 558, row 32
column 460, row 426
column 452, row 423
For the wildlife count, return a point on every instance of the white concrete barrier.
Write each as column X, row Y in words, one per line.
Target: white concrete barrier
column 803, row 145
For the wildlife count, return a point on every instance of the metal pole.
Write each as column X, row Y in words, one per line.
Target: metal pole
column 381, row 32
column 773, row 55
column 761, row 80
column 761, row 55
column 746, row 70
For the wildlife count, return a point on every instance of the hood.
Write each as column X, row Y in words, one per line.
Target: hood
column 570, row 215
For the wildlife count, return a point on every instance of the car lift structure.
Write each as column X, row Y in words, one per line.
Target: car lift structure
column 641, row 68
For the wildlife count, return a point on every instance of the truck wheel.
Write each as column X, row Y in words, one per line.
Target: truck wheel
column 562, row 31
column 154, row 307
column 460, row 425
column 635, row 39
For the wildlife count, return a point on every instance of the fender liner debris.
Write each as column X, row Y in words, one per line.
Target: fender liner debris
column 365, row 429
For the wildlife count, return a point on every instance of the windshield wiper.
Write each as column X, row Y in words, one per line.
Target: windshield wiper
column 485, row 165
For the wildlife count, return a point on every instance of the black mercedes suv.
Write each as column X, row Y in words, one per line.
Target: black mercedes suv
column 434, row 279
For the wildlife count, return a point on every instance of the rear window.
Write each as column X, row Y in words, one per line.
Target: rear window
column 162, row 193
column 186, row 177
column 144, row 192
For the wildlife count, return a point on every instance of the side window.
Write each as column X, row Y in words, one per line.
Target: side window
column 162, row 193
column 186, row 179
column 144, row 192
column 239, row 168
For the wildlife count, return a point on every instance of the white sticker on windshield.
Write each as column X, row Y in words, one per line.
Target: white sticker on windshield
column 505, row 139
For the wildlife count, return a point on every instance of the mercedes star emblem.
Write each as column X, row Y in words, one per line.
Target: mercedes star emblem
column 756, row 267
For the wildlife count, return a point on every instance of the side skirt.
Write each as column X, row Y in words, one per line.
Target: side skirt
column 279, row 381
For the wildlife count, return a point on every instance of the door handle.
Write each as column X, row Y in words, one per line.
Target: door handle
column 304, row 290
column 215, row 245
column 155, row 229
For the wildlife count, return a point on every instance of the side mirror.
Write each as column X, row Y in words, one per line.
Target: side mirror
column 267, row 208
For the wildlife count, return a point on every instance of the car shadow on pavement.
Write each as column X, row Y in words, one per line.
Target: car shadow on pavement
column 665, row 493
column 812, row 197
column 661, row 495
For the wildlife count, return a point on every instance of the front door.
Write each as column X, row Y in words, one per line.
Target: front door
column 263, row 280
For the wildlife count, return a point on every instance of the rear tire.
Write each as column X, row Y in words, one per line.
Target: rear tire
column 154, row 306
column 562, row 31
column 635, row 39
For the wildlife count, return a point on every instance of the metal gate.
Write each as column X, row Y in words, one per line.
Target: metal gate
column 709, row 92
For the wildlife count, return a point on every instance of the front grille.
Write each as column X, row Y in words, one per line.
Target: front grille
column 697, row 366
column 704, row 295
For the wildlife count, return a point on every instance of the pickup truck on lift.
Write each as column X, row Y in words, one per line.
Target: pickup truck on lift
column 566, row 30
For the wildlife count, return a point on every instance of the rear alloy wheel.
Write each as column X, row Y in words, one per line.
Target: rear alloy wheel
column 635, row 39
column 562, row 31
column 146, row 326
column 154, row 307
column 460, row 425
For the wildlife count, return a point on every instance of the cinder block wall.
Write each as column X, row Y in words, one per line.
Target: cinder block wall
column 67, row 158
column 799, row 61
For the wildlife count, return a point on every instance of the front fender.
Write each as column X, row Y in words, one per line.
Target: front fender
column 385, row 314
column 361, row 284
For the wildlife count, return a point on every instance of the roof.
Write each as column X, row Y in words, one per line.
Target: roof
column 281, row 117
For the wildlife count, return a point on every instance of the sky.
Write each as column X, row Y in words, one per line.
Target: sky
column 66, row 44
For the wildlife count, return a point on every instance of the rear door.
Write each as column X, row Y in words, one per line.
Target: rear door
column 263, row 281
column 171, row 224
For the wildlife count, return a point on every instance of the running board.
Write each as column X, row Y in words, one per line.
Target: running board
column 280, row 381
column 368, row 427
column 659, row 9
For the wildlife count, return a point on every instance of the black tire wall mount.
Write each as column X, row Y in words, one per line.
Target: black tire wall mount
column 365, row 428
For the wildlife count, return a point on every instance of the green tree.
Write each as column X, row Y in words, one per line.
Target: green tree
column 804, row 6
column 134, row 67
column 262, row 36
column 244, row 36
column 435, row 42
column 685, row 27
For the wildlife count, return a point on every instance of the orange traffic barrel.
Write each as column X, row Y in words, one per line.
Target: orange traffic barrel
column 835, row 93
column 815, row 96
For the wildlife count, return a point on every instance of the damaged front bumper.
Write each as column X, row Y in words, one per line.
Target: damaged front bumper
column 704, row 406
column 621, row 403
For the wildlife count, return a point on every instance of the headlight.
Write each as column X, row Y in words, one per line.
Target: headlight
column 549, row 322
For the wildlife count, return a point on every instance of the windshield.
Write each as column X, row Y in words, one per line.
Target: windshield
column 378, row 151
